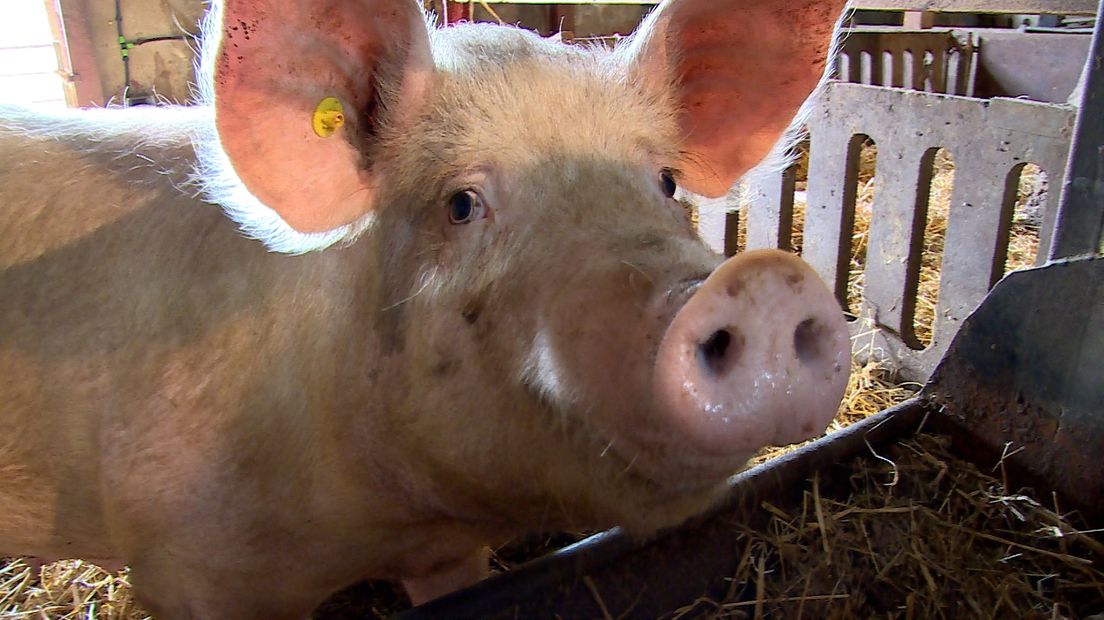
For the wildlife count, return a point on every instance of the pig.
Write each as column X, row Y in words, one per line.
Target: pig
column 391, row 294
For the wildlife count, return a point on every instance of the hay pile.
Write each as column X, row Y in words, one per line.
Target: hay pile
column 914, row 533
column 1023, row 241
column 66, row 590
column 1023, row 237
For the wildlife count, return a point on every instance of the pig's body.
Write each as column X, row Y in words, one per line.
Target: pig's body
column 154, row 369
column 251, row 431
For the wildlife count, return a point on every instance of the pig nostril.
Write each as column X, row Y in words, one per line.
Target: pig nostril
column 808, row 340
column 711, row 353
column 718, row 352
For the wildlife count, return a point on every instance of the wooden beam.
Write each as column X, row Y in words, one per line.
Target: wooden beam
column 61, row 49
column 455, row 12
column 76, row 53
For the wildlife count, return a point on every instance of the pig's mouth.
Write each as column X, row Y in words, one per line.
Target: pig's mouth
column 670, row 468
column 628, row 432
column 647, row 456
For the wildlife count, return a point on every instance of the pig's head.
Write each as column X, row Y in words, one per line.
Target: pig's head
column 552, row 344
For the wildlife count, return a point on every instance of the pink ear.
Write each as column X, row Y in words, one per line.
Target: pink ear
column 740, row 69
column 277, row 61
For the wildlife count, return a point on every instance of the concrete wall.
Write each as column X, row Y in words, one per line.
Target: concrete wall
column 162, row 69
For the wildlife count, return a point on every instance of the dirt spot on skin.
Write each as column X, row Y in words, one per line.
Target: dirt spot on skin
column 223, row 67
column 246, row 29
column 444, row 368
column 328, row 20
column 795, row 281
column 471, row 312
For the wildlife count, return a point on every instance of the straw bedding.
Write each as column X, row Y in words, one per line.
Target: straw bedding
column 914, row 533
column 1023, row 241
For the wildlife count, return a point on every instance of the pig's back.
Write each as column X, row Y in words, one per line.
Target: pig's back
column 102, row 229
column 131, row 314
column 66, row 183
column 66, row 175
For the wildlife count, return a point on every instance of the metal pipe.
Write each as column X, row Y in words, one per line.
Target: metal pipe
column 163, row 37
column 124, row 51
column 1080, row 224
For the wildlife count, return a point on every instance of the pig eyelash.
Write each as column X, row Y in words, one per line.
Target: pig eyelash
column 466, row 206
column 667, row 182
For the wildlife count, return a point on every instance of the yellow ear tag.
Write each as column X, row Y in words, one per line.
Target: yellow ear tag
column 327, row 117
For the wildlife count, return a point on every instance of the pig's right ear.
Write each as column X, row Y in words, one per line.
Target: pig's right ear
column 299, row 90
column 737, row 70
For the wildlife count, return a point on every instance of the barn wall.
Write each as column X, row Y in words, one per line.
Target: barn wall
column 164, row 69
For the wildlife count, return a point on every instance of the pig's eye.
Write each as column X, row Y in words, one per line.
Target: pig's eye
column 667, row 183
column 465, row 207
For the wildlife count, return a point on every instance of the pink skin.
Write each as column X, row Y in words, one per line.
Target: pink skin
column 758, row 356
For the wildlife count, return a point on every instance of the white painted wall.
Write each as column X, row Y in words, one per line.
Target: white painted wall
column 28, row 62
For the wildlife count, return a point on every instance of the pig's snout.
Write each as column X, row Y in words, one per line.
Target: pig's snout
column 759, row 355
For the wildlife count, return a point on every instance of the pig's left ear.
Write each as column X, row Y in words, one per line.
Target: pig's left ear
column 740, row 70
column 300, row 89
